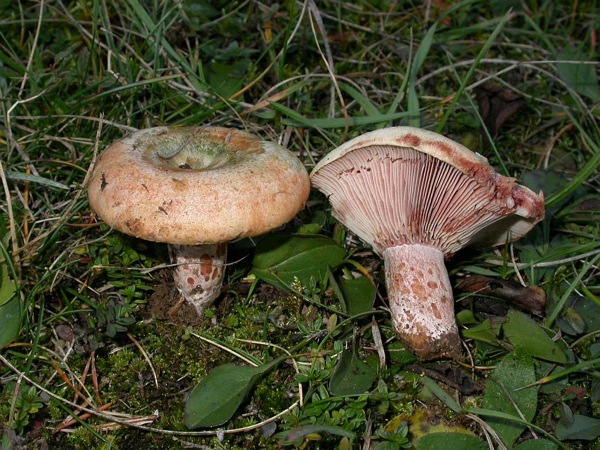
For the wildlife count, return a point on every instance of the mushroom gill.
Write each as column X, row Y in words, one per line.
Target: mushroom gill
column 417, row 198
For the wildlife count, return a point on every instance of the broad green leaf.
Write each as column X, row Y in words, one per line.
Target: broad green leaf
column 578, row 73
column 7, row 286
column 224, row 78
column 580, row 316
column 358, row 294
column 525, row 334
column 10, row 305
column 537, row 444
column 217, row 397
column 484, row 332
column 282, row 260
column 446, row 441
column 10, row 318
column 581, row 428
column 503, row 393
column 351, row 375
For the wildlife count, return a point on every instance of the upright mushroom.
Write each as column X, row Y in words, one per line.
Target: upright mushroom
column 196, row 188
column 417, row 198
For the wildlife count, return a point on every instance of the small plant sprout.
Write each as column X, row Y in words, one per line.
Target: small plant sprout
column 197, row 188
column 417, row 198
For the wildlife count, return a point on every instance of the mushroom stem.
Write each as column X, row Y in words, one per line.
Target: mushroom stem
column 199, row 272
column 421, row 301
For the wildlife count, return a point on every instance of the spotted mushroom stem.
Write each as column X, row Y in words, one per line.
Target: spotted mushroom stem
column 421, row 301
column 199, row 272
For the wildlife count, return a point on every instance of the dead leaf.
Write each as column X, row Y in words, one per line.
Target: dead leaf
column 587, row 209
column 496, row 106
column 450, row 374
column 528, row 298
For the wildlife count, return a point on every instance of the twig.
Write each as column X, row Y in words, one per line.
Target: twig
column 112, row 418
column 146, row 357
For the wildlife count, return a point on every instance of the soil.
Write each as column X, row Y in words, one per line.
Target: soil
column 167, row 304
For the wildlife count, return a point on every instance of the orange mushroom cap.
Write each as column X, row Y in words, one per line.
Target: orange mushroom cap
column 196, row 185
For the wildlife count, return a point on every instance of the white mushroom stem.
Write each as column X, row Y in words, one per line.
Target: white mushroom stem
column 421, row 301
column 199, row 272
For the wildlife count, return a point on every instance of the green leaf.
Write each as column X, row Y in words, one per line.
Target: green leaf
column 351, row 376
column 503, row 394
column 358, row 295
column 579, row 317
column 484, row 332
column 441, row 394
column 10, row 318
column 581, row 428
column 217, row 397
column 282, row 260
column 445, row 441
column 524, row 333
column 10, row 305
column 536, row 444
column 7, row 286
column 578, row 75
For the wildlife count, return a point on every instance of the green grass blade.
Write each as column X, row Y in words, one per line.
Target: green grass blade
column 573, row 284
column 484, row 50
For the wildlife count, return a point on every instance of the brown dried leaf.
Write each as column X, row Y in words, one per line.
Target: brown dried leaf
column 529, row 298
column 450, row 374
column 496, row 106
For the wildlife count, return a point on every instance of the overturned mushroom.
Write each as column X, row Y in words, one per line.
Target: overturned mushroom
column 417, row 198
column 196, row 188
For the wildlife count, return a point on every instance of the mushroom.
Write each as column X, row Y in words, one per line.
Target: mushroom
column 417, row 198
column 196, row 188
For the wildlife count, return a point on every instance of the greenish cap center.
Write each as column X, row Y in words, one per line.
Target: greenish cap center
column 187, row 148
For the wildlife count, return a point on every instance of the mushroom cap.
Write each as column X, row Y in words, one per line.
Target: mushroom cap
column 405, row 185
column 196, row 185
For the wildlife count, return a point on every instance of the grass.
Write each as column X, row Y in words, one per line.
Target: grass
column 76, row 76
